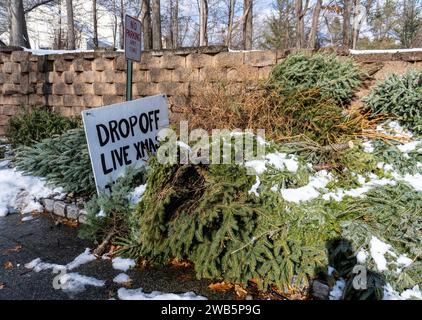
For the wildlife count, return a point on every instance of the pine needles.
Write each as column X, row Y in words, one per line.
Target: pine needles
column 399, row 97
column 62, row 160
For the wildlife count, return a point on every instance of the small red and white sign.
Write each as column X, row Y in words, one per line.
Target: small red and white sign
column 132, row 38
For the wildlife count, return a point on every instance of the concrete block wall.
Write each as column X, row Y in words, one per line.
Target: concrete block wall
column 72, row 82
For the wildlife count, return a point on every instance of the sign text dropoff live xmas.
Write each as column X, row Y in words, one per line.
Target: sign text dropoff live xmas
column 132, row 38
column 123, row 135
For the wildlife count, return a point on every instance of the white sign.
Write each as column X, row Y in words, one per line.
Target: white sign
column 123, row 135
column 132, row 38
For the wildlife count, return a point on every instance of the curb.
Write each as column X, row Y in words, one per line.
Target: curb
column 65, row 210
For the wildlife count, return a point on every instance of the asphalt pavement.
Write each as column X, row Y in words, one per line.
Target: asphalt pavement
column 23, row 241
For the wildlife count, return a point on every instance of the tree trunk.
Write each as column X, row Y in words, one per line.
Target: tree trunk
column 156, row 25
column 174, row 25
column 300, row 12
column 71, row 45
column 122, row 25
column 203, row 22
column 146, row 24
column 17, row 30
column 95, row 24
column 346, row 22
column 247, row 24
column 315, row 24
column 230, row 23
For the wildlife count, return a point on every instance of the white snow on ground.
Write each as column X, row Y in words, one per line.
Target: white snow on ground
column 414, row 180
column 280, row 161
column 83, row 258
column 378, row 249
column 139, row 294
column 310, row 191
column 75, row 283
column 137, row 194
column 409, row 147
column 394, row 129
column 361, row 256
column 368, row 147
column 122, row 278
column 357, row 52
column 19, row 192
column 101, row 214
column 37, row 265
column 123, row 264
column 254, row 188
column 374, row 181
column 391, row 294
column 337, row 291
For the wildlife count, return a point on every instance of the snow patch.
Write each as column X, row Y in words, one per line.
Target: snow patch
column 139, row 294
column 38, row 265
column 123, row 264
column 74, row 283
column 122, row 278
column 19, row 192
column 361, row 256
column 374, row 181
column 337, row 291
column 137, row 194
column 280, row 161
column 358, row 52
column 378, row 249
column 310, row 191
column 368, row 147
column 254, row 188
column 408, row 294
column 83, row 258
column 409, row 147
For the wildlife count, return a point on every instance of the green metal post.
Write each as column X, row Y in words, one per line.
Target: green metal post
column 129, row 73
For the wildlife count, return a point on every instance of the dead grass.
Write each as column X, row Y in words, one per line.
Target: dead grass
column 300, row 115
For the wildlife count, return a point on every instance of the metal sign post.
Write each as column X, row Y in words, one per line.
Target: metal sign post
column 132, row 50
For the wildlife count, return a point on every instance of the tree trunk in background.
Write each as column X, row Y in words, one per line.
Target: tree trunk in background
column 174, row 25
column 95, row 24
column 247, row 24
column 347, row 8
column 71, row 45
column 300, row 12
column 17, row 24
column 203, row 22
column 315, row 23
column 146, row 24
column 122, row 25
column 359, row 14
column 230, row 23
column 156, row 25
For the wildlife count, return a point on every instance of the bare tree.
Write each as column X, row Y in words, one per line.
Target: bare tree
column 146, row 24
column 230, row 22
column 156, row 25
column 315, row 24
column 347, row 9
column 247, row 24
column 300, row 12
column 18, row 31
column 95, row 23
column 174, row 23
column 203, row 23
column 122, row 27
column 70, row 26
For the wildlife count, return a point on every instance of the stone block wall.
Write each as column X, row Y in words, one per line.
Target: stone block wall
column 72, row 82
